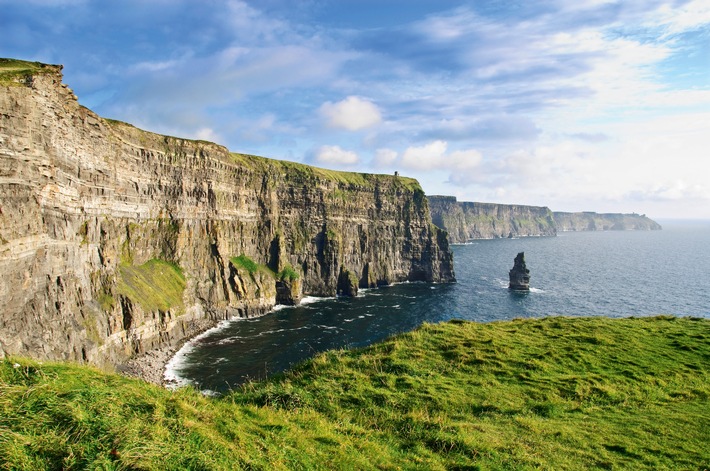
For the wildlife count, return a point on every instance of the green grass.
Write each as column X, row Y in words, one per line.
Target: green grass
column 555, row 393
column 307, row 173
column 246, row 263
column 155, row 285
column 13, row 69
column 288, row 274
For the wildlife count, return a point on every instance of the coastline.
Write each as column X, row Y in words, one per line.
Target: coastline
column 150, row 366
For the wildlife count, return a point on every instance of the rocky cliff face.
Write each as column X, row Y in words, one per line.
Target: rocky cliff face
column 590, row 221
column 114, row 241
column 466, row 221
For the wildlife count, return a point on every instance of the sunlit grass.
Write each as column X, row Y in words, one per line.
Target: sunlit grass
column 154, row 285
column 307, row 173
column 13, row 69
column 555, row 393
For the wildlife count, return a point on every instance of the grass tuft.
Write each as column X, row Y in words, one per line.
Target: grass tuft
column 288, row 274
column 246, row 263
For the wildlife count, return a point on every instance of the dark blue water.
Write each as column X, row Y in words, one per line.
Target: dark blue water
column 574, row 274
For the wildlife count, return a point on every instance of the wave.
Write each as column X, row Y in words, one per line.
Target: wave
column 306, row 300
column 328, row 327
column 171, row 375
column 281, row 307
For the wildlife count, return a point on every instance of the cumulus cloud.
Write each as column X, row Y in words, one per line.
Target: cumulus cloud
column 385, row 158
column 434, row 157
column 465, row 159
column 335, row 156
column 353, row 113
column 427, row 157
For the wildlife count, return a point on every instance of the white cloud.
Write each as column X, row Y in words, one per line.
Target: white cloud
column 335, row 156
column 353, row 113
column 385, row 158
column 208, row 134
column 679, row 19
column 252, row 26
column 153, row 66
column 465, row 159
column 462, row 165
column 426, row 157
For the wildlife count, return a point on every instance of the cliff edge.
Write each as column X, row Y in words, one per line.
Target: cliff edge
column 115, row 241
column 465, row 221
column 591, row 221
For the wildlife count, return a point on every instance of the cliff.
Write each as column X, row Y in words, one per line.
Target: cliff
column 115, row 241
column 590, row 221
column 466, row 221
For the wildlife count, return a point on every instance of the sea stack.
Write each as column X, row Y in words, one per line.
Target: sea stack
column 519, row 275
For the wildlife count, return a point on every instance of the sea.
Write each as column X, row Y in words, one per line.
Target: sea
column 613, row 274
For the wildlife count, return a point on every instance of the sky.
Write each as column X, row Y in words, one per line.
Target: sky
column 585, row 105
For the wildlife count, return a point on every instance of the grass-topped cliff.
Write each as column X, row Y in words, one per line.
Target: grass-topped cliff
column 465, row 221
column 124, row 240
column 308, row 172
column 555, row 393
column 16, row 72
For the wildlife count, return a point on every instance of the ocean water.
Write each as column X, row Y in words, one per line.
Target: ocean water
column 613, row 274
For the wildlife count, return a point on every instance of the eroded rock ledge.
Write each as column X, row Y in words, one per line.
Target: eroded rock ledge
column 115, row 241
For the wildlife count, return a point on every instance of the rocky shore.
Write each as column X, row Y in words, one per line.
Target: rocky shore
column 149, row 366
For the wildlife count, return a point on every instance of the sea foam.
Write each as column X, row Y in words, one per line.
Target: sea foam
column 172, row 377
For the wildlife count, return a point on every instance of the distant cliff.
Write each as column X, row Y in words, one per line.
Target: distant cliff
column 589, row 221
column 115, row 241
column 466, row 221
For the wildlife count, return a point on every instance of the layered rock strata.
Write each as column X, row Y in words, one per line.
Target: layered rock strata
column 115, row 241
column 591, row 221
column 465, row 221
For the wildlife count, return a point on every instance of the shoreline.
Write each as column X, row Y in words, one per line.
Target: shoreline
column 150, row 366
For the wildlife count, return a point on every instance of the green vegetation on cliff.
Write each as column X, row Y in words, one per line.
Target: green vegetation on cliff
column 12, row 70
column 554, row 393
column 155, row 285
column 307, row 173
column 288, row 273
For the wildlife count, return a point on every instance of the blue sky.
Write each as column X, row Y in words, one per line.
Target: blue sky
column 596, row 105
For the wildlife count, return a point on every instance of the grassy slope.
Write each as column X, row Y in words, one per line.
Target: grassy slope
column 308, row 172
column 155, row 285
column 553, row 393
